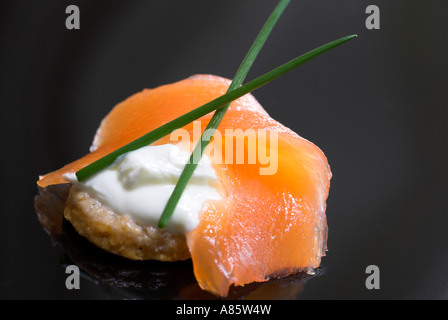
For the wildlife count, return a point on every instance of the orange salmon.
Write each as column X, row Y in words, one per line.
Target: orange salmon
column 267, row 225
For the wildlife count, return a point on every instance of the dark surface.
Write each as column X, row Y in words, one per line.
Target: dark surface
column 376, row 106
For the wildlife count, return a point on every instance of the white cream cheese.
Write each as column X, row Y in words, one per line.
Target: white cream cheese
column 140, row 182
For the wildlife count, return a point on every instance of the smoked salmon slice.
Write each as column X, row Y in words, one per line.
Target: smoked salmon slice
column 266, row 225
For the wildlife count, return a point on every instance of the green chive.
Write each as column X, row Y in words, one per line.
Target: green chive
column 213, row 105
column 219, row 114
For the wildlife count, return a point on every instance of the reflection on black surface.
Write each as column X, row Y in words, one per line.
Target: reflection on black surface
column 126, row 279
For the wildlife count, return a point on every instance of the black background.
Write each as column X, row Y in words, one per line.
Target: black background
column 377, row 107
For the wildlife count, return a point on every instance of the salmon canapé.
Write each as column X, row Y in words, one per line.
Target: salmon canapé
column 270, row 221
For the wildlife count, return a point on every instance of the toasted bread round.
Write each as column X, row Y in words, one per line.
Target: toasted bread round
column 120, row 234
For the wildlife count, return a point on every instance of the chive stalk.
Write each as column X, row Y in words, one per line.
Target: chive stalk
column 214, row 122
column 201, row 111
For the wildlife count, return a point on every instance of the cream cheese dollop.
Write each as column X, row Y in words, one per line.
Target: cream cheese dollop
column 139, row 184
